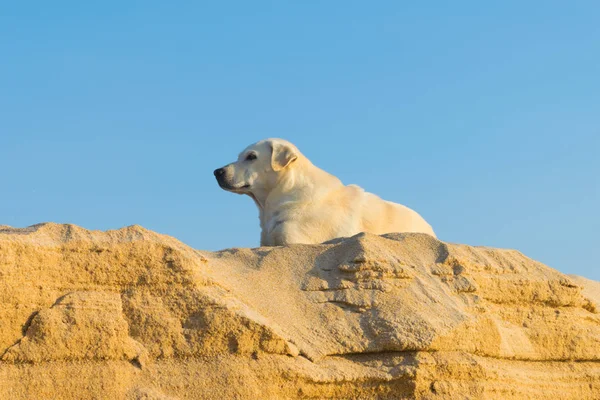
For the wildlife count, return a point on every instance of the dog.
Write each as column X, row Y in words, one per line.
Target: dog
column 300, row 203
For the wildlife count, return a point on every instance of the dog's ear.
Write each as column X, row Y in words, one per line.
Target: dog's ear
column 283, row 155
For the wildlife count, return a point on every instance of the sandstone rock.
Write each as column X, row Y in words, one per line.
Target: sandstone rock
column 79, row 326
column 138, row 315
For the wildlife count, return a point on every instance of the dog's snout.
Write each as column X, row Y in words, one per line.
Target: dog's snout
column 219, row 172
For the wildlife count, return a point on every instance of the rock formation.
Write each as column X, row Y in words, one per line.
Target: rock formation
column 134, row 314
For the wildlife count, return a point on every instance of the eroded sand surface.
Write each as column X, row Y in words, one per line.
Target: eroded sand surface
column 138, row 315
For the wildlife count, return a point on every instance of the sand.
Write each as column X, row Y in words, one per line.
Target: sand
column 134, row 314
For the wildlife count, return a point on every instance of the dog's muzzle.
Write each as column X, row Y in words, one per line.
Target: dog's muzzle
column 220, row 175
column 224, row 181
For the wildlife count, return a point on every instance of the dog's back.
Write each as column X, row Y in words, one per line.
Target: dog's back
column 380, row 216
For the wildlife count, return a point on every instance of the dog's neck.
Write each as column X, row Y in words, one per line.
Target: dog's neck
column 295, row 185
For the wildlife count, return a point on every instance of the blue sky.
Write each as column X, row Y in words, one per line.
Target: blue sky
column 482, row 116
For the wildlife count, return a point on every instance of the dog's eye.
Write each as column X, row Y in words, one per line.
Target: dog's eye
column 251, row 157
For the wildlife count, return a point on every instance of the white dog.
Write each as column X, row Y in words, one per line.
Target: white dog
column 300, row 203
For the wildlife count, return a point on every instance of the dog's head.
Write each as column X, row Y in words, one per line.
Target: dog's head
column 258, row 167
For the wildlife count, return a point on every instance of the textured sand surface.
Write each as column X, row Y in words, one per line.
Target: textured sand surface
column 133, row 314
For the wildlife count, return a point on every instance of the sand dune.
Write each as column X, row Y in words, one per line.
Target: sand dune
column 138, row 315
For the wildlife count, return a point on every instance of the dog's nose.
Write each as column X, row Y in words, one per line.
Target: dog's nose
column 219, row 172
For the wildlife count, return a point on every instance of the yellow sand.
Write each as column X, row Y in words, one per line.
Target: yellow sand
column 134, row 314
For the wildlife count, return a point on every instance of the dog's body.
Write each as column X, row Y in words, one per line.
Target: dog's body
column 300, row 203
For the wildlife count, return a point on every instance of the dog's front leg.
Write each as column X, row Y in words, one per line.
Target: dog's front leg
column 284, row 232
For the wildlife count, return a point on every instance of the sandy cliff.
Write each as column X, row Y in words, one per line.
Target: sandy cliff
column 138, row 315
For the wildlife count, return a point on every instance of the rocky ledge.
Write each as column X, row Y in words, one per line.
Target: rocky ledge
column 138, row 315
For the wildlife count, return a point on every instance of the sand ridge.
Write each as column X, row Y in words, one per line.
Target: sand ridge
column 131, row 313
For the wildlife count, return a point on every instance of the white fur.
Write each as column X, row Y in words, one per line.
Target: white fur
column 300, row 203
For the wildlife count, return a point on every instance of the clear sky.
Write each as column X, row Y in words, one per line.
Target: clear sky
column 482, row 116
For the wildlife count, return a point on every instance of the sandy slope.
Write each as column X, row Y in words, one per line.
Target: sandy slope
column 135, row 314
